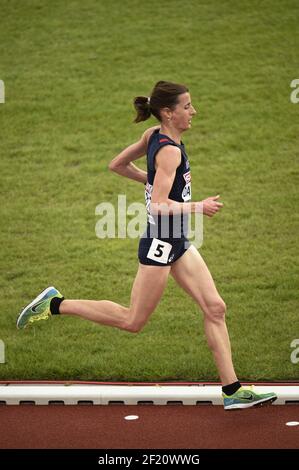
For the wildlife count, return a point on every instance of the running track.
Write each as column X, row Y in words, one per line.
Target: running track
column 157, row 427
column 196, row 423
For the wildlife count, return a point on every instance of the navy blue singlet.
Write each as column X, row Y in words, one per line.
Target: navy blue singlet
column 165, row 238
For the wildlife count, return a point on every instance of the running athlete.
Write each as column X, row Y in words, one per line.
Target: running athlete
column 164, row 248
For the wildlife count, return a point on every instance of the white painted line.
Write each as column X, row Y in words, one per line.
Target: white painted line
column 293, row 423
column 131, row 417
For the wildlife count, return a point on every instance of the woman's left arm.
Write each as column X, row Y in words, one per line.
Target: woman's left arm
column 122, row 163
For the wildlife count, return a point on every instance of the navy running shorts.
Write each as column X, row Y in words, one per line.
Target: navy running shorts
column 161, row 251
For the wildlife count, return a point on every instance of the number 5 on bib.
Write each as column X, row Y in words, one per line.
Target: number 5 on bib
column 159, row 251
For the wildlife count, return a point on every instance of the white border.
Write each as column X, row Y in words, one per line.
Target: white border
column 130, row 395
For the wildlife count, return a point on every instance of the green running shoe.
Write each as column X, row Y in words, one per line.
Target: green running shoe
column 246, row 397
column 38, row 309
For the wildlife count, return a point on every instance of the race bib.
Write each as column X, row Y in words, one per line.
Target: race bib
column 186, row 193
column 159, row 251
column 148, row 197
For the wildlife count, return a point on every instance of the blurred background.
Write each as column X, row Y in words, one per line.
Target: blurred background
column 71, row 70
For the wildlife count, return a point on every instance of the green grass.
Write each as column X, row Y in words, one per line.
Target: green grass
column 71, row 71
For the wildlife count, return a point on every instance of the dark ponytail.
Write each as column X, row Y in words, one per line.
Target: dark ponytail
column 164, row 95
column 142, row 107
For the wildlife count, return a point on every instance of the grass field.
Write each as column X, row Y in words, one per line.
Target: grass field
column 71, row 70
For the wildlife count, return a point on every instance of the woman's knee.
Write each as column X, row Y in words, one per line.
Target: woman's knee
column 133, row 325
column 134, row 328
column 215, row 310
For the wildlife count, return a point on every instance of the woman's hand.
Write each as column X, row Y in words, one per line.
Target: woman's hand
column 211, row 205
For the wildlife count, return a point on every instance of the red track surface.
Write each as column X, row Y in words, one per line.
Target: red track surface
column 158, row 427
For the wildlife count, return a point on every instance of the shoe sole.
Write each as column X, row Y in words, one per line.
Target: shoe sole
column 263, row 401
column 37, row 299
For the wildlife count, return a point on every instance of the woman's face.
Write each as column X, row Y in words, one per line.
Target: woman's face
column 180, row 117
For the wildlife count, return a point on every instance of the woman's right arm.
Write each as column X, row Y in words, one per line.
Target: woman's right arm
column 122, row 163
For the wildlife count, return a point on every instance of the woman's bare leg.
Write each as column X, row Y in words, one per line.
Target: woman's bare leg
column 147, row 290
column 192, row 274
